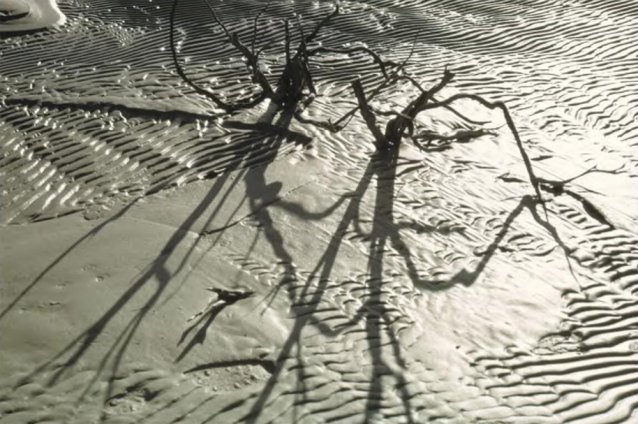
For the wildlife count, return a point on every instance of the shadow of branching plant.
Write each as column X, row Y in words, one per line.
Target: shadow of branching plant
column 160, row 274
column 294, row 86
column 374, row 315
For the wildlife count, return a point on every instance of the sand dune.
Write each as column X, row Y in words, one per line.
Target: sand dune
column 426, row 291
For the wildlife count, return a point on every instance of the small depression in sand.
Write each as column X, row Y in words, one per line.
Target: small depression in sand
column 163, row 260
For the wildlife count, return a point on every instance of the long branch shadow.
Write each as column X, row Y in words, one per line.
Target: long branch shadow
column 158, row 270
column 383, row 236
column 61, row 257
column 263, row 129
column 384, row 233
column 378, row 323
column 321, row 273
column 382, row 165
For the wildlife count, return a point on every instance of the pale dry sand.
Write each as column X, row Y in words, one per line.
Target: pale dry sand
column 162, row 262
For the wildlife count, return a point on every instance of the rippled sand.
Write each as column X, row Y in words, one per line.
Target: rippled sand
column 429, row 290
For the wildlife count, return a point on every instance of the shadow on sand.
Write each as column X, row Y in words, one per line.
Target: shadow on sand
column 158, row 272
column 373, row 314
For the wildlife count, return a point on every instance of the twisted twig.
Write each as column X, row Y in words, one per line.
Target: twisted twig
column 228, row 107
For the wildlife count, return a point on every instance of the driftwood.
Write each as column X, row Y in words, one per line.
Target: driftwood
column 295, row 80
column 296, row 83
column 402, row 123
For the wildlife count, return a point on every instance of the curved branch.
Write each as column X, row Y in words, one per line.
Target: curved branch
column 380, row 141
column 228, row 107
column 180, row 71
column 320, row 25
column 510, row 124
column 383, row 64
column 414, row 82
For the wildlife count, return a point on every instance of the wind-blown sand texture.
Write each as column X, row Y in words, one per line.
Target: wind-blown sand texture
column 433, row 291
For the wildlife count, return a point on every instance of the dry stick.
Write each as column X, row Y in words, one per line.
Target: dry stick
column 334, row 127
column 264, row 47
column 303, row 52
column 285, row 80
column 377, row 59
column 400, row 67
column 296, row 74
column 320, row 25
column 348, row 115
column 253, row 64
column 450, row 108
column 287, row 41
column 219, row 22
column 252, row 61
column 396, row 127
column 557, row 185
column 414, row 107
column 368, row 115
column 383, row 64
column 252, row 46
column 219, row 102
column 337, row 125
column 510, row 124
column 405, row 61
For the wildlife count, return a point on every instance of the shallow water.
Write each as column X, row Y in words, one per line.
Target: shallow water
column 424, row 291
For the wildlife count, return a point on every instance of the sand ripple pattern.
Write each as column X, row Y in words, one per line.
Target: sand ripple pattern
column 568, row 72
column 93, row 115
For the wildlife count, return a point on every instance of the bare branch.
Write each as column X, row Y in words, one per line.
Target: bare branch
column 264, row 47
column 403, row 64
column 320, row 25
column 368, row 115
column 339, row 125
column 252, row 61
column 419, row 103
column 383, row 64
column 180, row 71
column 396, row 127
column 302, row 53
column 561, row 183
column 258, row 76
column 287, row 41
column 252, row 46
column 219, row 22
column 450, row 108
column 510, row 124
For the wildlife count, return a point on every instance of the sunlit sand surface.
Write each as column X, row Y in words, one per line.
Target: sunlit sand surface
column 162, row 261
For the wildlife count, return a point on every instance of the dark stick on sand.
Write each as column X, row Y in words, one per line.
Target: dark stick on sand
column 404, row 121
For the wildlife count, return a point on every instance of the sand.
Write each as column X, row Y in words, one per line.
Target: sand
column 162, row 261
